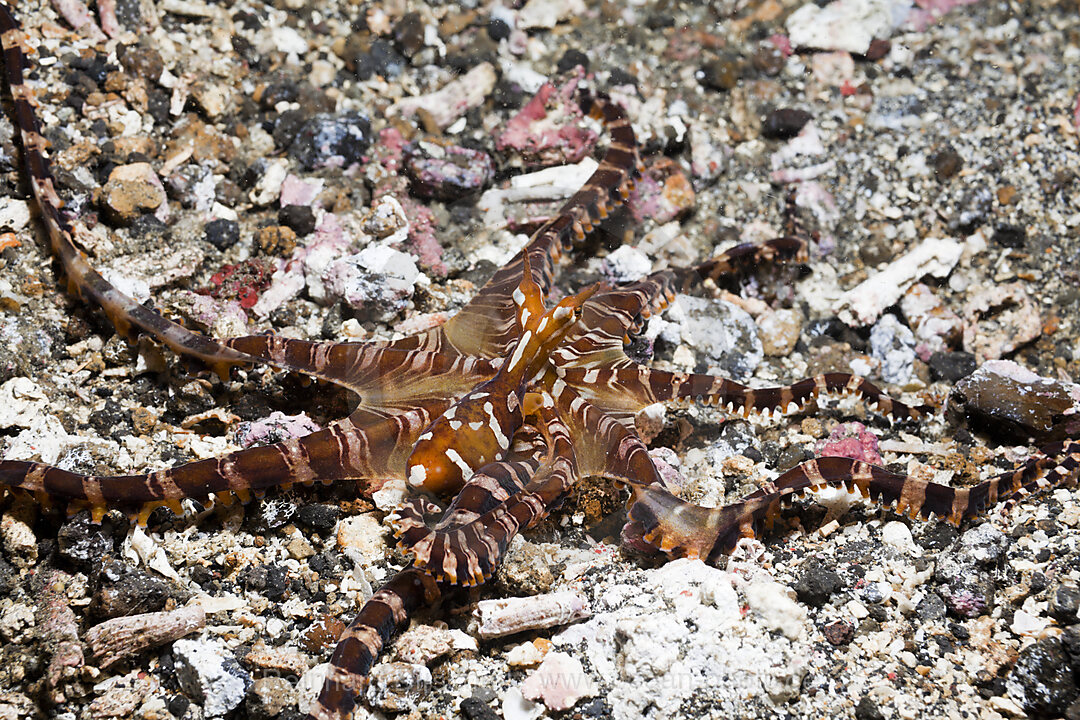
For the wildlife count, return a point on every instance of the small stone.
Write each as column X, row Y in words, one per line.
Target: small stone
column 16, row 531
column 524, row 570
column 720, row 74
column 768, row 59
column 409, row 34
column 476, row 709
column 816, row 583
column 893, row 344
column 222, row 234
column 779, row 331
column 321, row 634
column 662, row 193
column 83, row 542
column 282, row 659
column 867, row 709
column 268, row 697
column 301, row 218
column 447, row 172
column 550, row 129
column 725, row 336
column 397, row 686
column 1042, row 681
column 377, row 282
column 560, row 682
column 319, row 517
column 299, row 548
column 327, row 139
column 243, row 282
column 946, row 163
column 898, row 535
column 951, row 366
column 1015, row 405
column 141, row 61
column 626, row 264
column 125, row 590
column 1064, row 604
column 571, row 59
column 784, row 123
column 363, row 532
column 276, row 240
column 1010, row 236
column 930, row 319
column 210, row 675
column 999, row 319
column 931, row 607
column 772, row 603
column 839, row 633
column 498, row 29
column 130, row 191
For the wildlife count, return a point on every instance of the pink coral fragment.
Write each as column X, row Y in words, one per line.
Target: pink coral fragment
column 851, row 440
column 549, row 130
column 559, row 682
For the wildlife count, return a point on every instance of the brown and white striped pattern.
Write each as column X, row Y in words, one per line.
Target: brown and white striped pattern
column 568, row 398
column 682, row 529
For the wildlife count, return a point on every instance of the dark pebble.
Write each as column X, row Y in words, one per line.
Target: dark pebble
column 475, row 709
column 660, row 20
column 270, row 513
column 129, row 14
column 269, row 580
column 222, row 234
column 1010, row 236
column 959, row 631
column 951, row 366
column 380, row 59
column 286, row 127
column 140, row 61
column 931, row 607
column 1042, row 681
column 447, row 172
column 300, row 218
column 768, row 59
column 123, row 590
column 498, row 29
column 319, row 517
column 571, row 59
column 936, row 537
column 178, row 705
column 147, row 226
column 82, row 542
column 946, row 163
column 720, row 74
column 618, row 76
column 816, row 583
column 791, row 456
column 1064, row 604
column 507, row 96
column 878, row 49
column 995, row 403
column 839, row 633
column 325, row 138
column 1039, row 582
column 409, row 34
column 867, row 709
column 784, row 123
